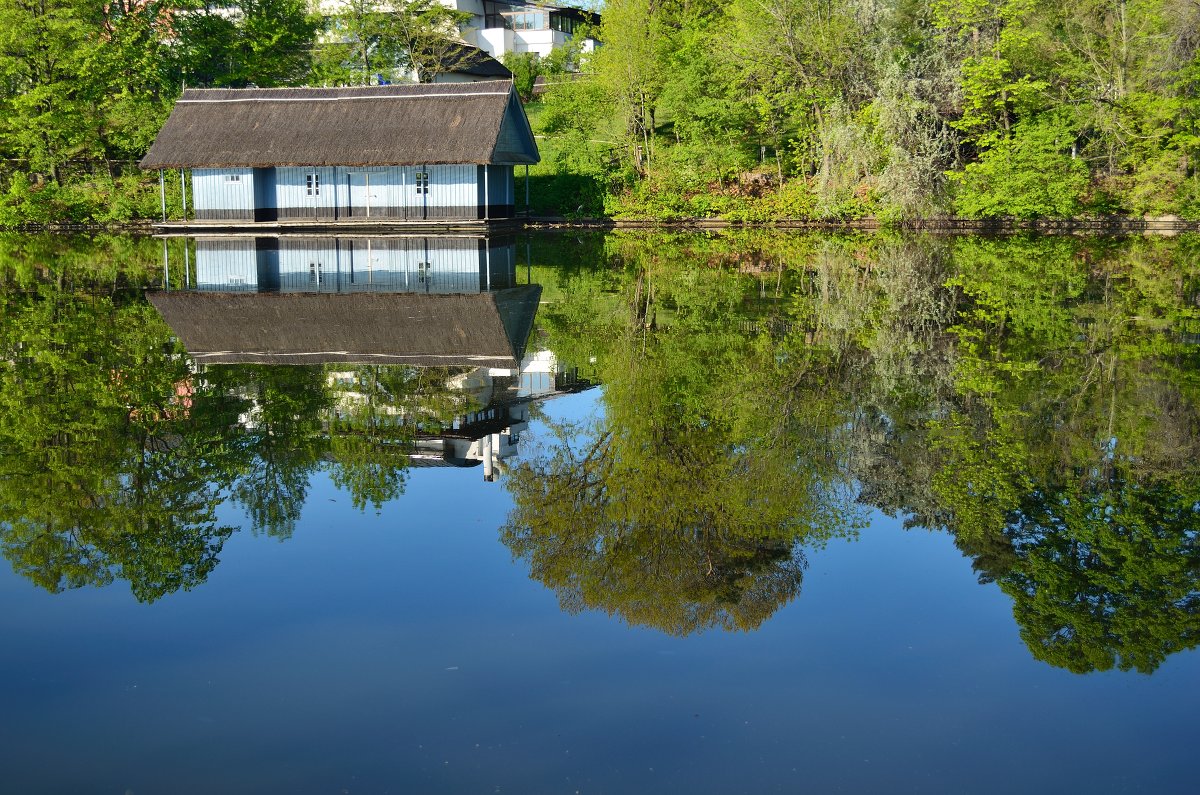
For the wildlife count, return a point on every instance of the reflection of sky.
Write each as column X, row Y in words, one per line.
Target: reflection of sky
column 406, row 652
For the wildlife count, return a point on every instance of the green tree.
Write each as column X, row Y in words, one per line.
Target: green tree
column 1031, row 174
column 208, row 37
column 525, row 68
column 275, row 43
column 261, row 42
column 135, row 72
column 48, row 111
column 366, row 41
column 630, row 68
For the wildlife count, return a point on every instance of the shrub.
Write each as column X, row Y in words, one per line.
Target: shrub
column 1030, row 174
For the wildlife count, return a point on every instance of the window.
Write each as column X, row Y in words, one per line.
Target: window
column 526, row 20
column 535, row 21
column 233, row 177
column 312, row 184
column 562, row 22
column 421, row 181
column 422, row 272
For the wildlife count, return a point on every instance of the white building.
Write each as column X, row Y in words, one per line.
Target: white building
column 503, row 26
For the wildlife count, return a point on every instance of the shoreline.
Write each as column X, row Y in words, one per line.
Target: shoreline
column 1114, row 225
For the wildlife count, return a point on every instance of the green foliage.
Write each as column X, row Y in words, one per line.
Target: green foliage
column 1030, row 110
column 85, row 200
column 365, row 41
column 92, row 490
column 1037, row 398
column 118, row 451
column 45, row 49
column 525, row 70
column 274, row 43
column 1031, row 174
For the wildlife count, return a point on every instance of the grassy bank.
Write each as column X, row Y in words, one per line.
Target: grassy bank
column 86, row 199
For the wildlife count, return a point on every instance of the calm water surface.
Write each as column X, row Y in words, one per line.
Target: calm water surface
column 621, row 514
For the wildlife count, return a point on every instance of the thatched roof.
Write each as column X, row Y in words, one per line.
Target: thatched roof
column 419, row 124
column 488, row 329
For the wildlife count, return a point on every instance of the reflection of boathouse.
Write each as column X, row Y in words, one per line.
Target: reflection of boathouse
column 347, row 264
column 489, row 434
column 425, row 301
column 448, row 303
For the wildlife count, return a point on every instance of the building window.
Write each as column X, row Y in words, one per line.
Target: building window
column 312, row 184
column 562, row 22
column 527, row 20
column 233, row 177
column 421, row 180
column 422, row 272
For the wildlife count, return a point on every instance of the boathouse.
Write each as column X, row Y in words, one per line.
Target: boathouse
column 418, row 153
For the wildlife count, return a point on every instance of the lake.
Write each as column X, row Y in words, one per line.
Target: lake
column 620, row 512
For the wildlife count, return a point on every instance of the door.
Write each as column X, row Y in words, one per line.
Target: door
column 416, row 189
column 312, row 194
column 363, row 195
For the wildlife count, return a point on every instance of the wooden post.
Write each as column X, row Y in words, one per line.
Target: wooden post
column 162, row 194
column 487, row 197
column 526, row 190
column 166, row 265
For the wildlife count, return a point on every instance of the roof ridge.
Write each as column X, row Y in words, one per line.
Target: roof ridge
column 345, row 99
column 449, row 87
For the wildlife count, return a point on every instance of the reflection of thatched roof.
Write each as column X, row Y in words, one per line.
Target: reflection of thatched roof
column 296, row 328
column 369, row 126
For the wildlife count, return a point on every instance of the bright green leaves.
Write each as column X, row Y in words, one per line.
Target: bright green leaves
column 274, row 43
column 1032, row 174
column 395, row 40
column 44, row 51
column 1001, row 42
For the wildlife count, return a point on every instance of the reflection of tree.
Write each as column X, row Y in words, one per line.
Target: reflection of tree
column 114, row 455
column 95, row 480
column 676, row 554
column 686, row 507
column 1069, row 465
column 357, row 422
column 1030, row 396
column 278, row 438
column 1107, row 574
column 376, row 419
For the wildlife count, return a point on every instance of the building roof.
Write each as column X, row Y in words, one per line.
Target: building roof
column 465, row 59
column 413, row 124
column 487, row 329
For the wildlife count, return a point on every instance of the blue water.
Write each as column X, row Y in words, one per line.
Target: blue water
column 404, row 651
